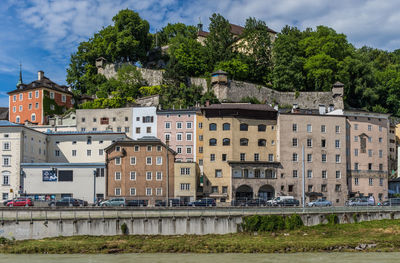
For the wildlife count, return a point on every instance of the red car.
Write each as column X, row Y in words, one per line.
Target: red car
column 20, row 202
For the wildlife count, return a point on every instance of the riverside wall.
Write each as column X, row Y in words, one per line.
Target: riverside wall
column 42, row 223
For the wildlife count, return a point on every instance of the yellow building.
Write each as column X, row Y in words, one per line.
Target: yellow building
column 239, row 152
column 186, row 180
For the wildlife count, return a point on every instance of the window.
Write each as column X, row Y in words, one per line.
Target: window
column 137, row 129
column 262, row 142
column 244, row 127
column 185, row 187
column 370, row 181
column 14, row 109
column 309, row 173
column 29, row 106
column 226, row 141
column 218, row 173
column 323, row 157
column 323, row 143
column 20, row 97
column 126, row 118
column 380, row 153
column 179, row 149
column 189, row 149
column 14, row 98
column 309, row 142
column 323, row 187
column 137, row 148
column 200, row 125
column 52, row 95
column 159, row 148
column 369, row 127
column 242, row 157
column 117, row 191
column 149, row 160
column 244, row 142
column 380, row 128
column 89, row 140
column 338, row 174
column 167, row 137
column 294, row 157
column 355, row 126
column 356, row 166
column 118, row 161
column 355, row 152
column 294, row 173
column 37, row 94
column 133, row 160
column 370, row 139
column 167, row 125
column 33, row 117
column 270, row 157
column 185, row 171
column 337, row 158
column 370, row 153
column 290, row 188
column 149, row 175
column 117, row 176
column 380, row 140
column 214, row 189
column 189, row 125
column 200, row 162
column 158, row 176
column 370, row 166
column 57, row 152
column 159, row 160
column 338, row 188
column 310, row 188
column 179, row 125
column 89, row 152
column 380, row 167
column 73, row 152
column 6, row 161
column 158, row 191
column 148, row 191
column 337, row 144
column 6, row 146
column 309, row 158
column 148, row 129
column 201, row 149
column 309, row 128
column 356, row 138
column 118, row 148
column 149, row 148
column 119, row 129
column 294, row 127
column 126, row 129
column 132, row 176
column 323, row 128
column 294, row 142
column 37, row 105
column 337, row 129
column 324, row 174
column 256, row 157
column 356, row 181
column 380, row 181
column 224, row 157
column 262, row 127
column 201, row 138
column 179, row 136
column 213, row 127
column 148, row 119
column 188, row 136
column 212, row 157
column 132, row 191
column 213, row 142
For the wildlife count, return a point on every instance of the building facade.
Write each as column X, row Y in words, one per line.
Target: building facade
column 140, row 169
column 367, row 161
column 179, row 128
column 36, row 101
column 144, row 122
column 186, row 179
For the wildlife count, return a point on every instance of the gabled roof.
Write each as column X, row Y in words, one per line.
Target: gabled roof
column 143, row 140
column 235, row 30
column 239, row 106
column 42, row 83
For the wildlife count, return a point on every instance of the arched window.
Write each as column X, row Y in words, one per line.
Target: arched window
column 18, row 119
column 262, row 142
column 244, row 142
column 226, row 126
column 213, row 142
column 244, row 127
column 213, row 127
column 262, row 127
column 226, row 141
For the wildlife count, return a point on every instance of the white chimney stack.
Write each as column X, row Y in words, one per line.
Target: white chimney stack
column 40, row 75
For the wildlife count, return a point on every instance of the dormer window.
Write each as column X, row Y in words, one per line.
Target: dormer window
column 52, row 95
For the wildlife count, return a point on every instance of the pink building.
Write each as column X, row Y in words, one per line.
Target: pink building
column 179, row 128
column 367, row 154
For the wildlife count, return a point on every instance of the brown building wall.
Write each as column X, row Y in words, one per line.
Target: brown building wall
column 141, row 182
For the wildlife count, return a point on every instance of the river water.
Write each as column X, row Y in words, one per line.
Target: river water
column 209, row 258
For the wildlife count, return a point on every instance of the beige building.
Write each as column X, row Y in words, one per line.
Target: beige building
column 324, row 140
column 239, row 155
column 186, row 179
column 368, row 156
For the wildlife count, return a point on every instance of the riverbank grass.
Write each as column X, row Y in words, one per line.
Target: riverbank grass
column 382, row 235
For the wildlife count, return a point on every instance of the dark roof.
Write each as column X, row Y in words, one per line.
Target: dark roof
column 50, row 132
column 235, row 29
column 43, row 83
column 239, row 106
column 144, row 139
column 4, row 113
column 178, row 111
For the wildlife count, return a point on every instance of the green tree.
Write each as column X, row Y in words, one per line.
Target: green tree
column 236, row 68
column 183, row 97
column 171, row 31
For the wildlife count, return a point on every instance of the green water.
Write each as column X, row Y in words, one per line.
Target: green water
column 208, row 258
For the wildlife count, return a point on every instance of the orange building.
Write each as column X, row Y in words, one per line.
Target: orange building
column 36, row 101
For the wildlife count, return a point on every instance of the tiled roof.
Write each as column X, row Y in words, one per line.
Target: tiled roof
column 43, row 83
column 239, row 106
column 235, row 29
column 50, row 132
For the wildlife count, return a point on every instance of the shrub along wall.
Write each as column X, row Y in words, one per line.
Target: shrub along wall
column 271, row 223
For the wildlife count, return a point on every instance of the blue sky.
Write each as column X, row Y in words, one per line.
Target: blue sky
column 42, row 33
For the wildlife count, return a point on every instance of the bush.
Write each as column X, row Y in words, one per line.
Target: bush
column 333, row 219
column 124, row 229
column 293, row 222
column 269, row 223
column 355, row 217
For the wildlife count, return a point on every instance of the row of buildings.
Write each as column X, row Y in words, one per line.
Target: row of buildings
column 224, row 151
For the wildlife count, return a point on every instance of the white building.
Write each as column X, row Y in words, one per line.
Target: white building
column 144, row 122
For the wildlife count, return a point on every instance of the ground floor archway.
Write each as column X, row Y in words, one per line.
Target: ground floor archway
column 244, row 192
column 266, row 192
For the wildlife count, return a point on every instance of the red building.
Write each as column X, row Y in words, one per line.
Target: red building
column 36, row 101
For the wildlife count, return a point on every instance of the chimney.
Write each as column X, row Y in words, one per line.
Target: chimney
column 40, row 75
column 322, row 109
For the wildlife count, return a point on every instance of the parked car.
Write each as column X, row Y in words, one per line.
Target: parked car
column 320, row 202
column 203, row 202
column 5, row 202
column 287, row 202
column 249, row 202
column 171, row 202
column 20, row 202
column 273, row 202
column 114, row 202
column 65, row 201
column 391, row 202
column 82, row 202
column 138, row 203
column 359, row 202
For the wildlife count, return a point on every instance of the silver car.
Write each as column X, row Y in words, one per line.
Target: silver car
column 320, row 202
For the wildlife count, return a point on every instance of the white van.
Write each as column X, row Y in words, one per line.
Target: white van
column 274, row 201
